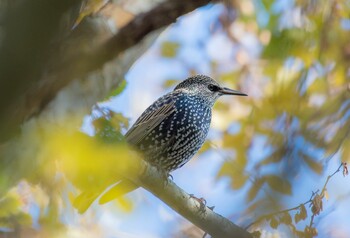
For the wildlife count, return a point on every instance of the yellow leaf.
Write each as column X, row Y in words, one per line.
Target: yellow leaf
column 326, row 195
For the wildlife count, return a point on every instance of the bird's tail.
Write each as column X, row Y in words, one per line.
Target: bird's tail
column 120, row 189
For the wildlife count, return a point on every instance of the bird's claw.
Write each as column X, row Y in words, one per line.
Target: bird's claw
column 165, row 175
column 202, row 202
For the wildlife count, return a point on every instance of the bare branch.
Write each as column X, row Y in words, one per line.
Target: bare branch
column 180, row 201
column 299, row 206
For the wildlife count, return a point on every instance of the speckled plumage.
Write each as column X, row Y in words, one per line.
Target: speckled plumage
column 180, row 135
column 175, row 126
column 170, row 131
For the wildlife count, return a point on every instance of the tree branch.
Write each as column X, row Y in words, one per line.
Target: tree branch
column 153, row 180
column 80, row 63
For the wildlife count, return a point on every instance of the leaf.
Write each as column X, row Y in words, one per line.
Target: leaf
column 310, row 231
column 239, row 181
column 317, row 205
column 119, row 89
column 206, row 146
column 278, row 184
column 286, row 218
column 275, row 157
column 238, row 178
column 297, row 218
column 303, row 212
column 345, row 169
column 326, row 195
column 170, row 83
column 169, row 49
column 315, row 166
column 254, row 189
column 274, row 223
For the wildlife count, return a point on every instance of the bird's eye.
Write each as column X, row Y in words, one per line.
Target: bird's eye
column 213, row 87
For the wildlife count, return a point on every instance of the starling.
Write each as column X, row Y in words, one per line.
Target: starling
column 173, row 128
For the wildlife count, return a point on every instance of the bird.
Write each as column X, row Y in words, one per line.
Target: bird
column 170, row 131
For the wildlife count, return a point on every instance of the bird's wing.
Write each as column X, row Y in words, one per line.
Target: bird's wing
column 148, row 121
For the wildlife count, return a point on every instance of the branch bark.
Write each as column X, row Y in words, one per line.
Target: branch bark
column 152, row 179
column 212, row 223
column 30, row 100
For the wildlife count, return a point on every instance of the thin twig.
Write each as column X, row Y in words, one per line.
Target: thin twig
column 298, row 207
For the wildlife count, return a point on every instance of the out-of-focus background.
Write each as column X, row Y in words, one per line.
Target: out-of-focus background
column 267, row 158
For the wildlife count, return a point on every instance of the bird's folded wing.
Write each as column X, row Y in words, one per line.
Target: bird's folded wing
column 147, row 122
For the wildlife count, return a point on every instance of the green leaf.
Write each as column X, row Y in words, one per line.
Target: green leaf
column 278, row 184
column 119, row 89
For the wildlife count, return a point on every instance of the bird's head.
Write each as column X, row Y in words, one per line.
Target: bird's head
column 206, row 88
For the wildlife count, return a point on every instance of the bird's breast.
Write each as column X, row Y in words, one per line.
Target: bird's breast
column 179, row 136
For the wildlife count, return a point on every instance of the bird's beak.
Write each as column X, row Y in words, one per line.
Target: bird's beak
column 227, row 91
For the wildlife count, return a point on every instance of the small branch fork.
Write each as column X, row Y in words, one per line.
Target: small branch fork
column 315, row 200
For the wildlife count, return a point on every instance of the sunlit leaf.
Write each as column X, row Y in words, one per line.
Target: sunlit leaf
column 125, row 204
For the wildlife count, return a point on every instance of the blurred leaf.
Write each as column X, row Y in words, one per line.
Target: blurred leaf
column 233, row 171
column 346, row 150
column 285, row 44
column 206, row 146
column 119, row 89
column 125, row 204
column 170, row 83
column 286, row 218
column 275, row 157
column 9, row 205
column 169, row 49
column 301, row 214
column 297, row 218
column 314, row 165
column 310, row 231
column 274, row 223
column 254, row 189
column 326, row 195
column 278, row 184
column 11, row 213
column 317, row 204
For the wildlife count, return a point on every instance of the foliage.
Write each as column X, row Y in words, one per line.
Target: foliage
column 295, row 121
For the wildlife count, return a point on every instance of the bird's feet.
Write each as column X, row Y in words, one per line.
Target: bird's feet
column 202, row 202
column 165, row 175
